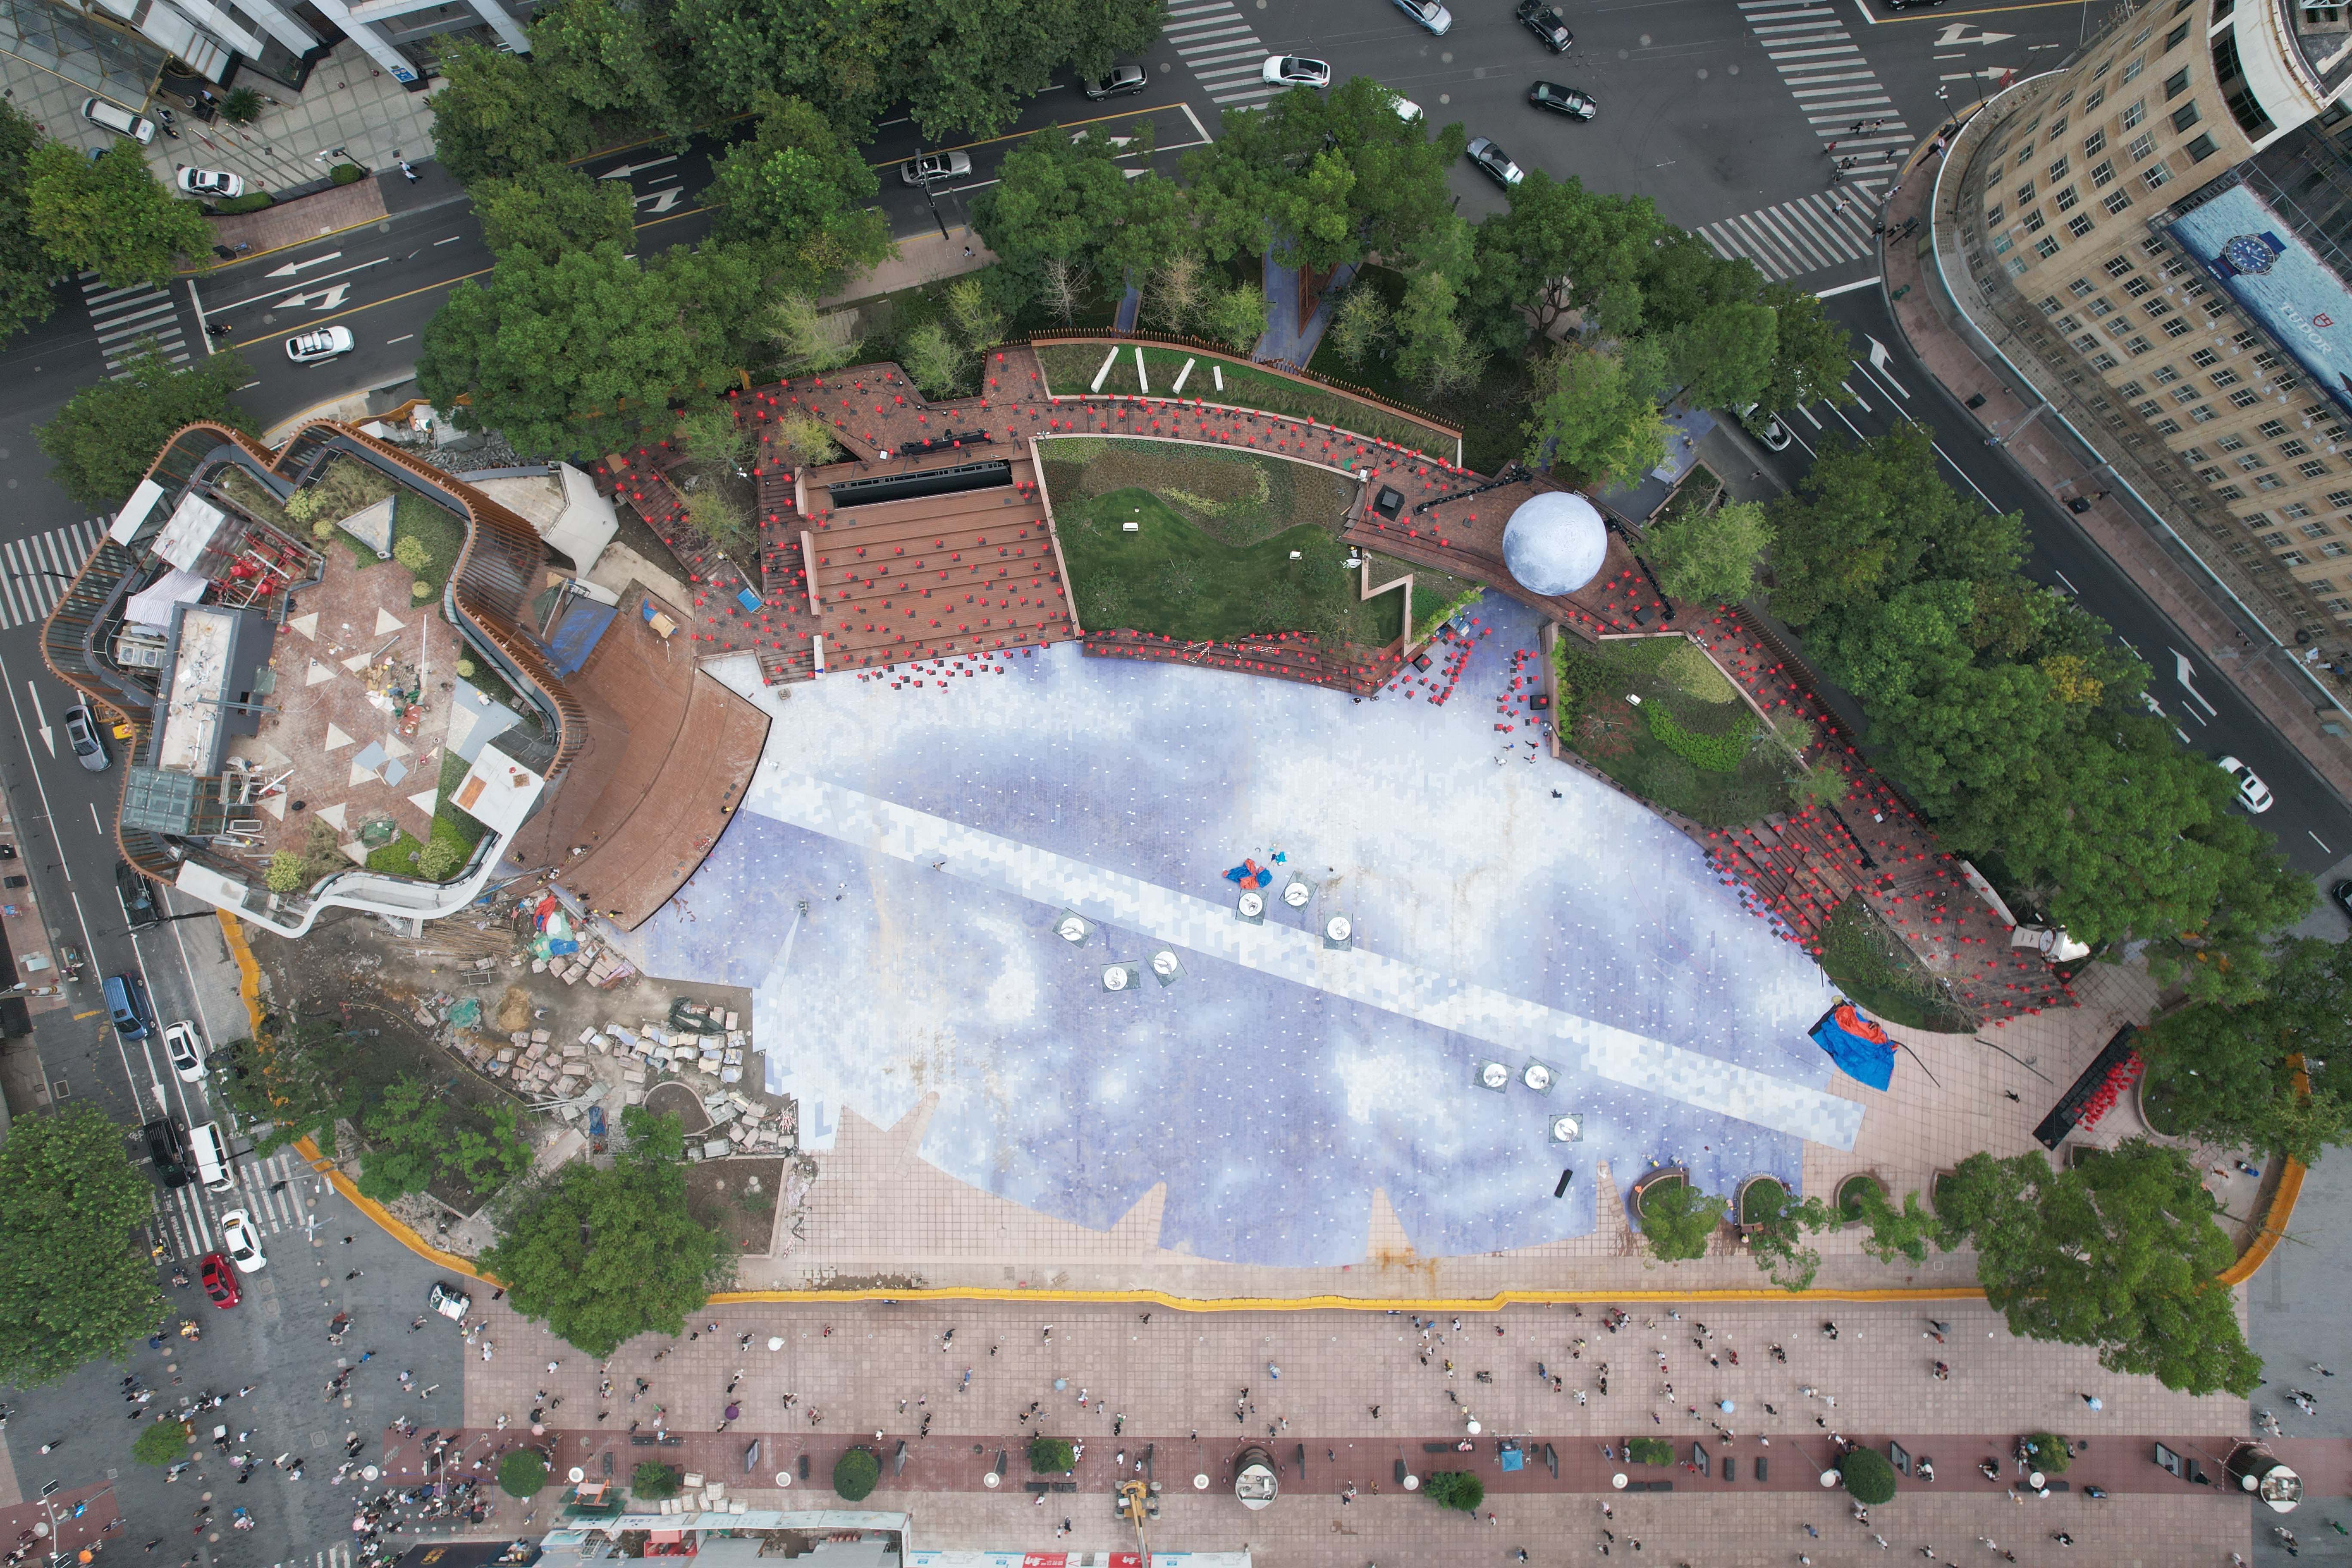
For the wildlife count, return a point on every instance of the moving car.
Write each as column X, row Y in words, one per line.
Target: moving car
column 2252, row 794
column 932, row 167
column 449, row 1301
column 211, row 182
column 1562, row 99
column 1902, row 5
column 1406, row 109
column 1494, row 162
column 115, row 118
column 242, row 1242
column 136, row 894
column 167, row 1150
column 1295, row 71
column 81, row 734
column 1544, row 22
column 220, row 1281
column 319, row 343
column 187, row 1050
column 1429, row 13
column 1123, row 80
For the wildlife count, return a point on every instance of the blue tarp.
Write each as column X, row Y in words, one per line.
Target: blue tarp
column 1858, row 1045
column 1513, row 1457
column 577, row 634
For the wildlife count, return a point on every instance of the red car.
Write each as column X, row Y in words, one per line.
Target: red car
column 220, row 1281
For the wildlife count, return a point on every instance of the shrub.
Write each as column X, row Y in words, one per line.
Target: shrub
column 1692, row 673
column 1455, row 1489
column 855, row 1473
column 439, row 859
column 522, row 1473
column 346, row 174
column 466, row 667
column 1716, row 753
column 1051, row 1455
column 287, row 871
column 241, row 107
column 1649, row 1451
column 251, row 202
column 1678, row 1219
column 2048, row 1453
column 654, row 1480
column 161, row 1442
column 420, row 590
column 411, row 552
column 931, row 358
column 1868, row 1476
column 1237, row 316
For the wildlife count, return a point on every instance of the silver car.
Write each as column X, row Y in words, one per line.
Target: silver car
column 81, row 734
column 319, row 343
column 932, row 167
column 1429, row 13
column 1295, row 71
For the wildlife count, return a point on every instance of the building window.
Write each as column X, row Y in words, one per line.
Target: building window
column 2340, row 500
column 2335, row 549
column 2266, row 360
column 2252, row 462
column 2167, row 427
column 2230, row 76
column 2059, row 166
column 1994, row 213
column 2116, row 200
column 2103, row 174
column 2138, row 288
column 2136, row 112
column 2295, row 558
column 2336, row 607
column 2203, row 414
column 2087, row 342
column 2140, row 146
column 2204, row 358
column 2268, row 482
column 2228, row 492
column 2211, row 475
column 2271, row 429
column 2032, row 222
column 2176, row 328
column 2137, row 346
column 2148, row 408
column 2156, row 310
column 2016, row 263
column 2268, row 541
column 2058, row 126
column 2243, row 398
column 2104, row 362
column 2079, row 224
column 2156, row 175
column 2313, row 469
column 2050, row 306
column 2202, row 147
column 2025, row 193
column 2296, row 509
column 2098, row 95
column 2065, row 199
column 2172, row 39
column 2100, row 309
column 2297, row 448
column 2176, row 84
column 2081, row 287
column 2322, row 15
column 2221, row 378
column 2164, row 375
column 2117, row 266
column 2046, row 246
column 2000, row 245
column 2244, row 342
column 2184, row 117
column 2095, row 143
column 2232, row 443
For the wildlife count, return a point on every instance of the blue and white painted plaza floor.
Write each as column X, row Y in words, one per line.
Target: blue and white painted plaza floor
column 935, row 834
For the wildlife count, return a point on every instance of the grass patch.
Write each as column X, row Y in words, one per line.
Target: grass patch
column 440, row 530
column 1882, row 976
column 1489, row 411
column 1236, row 497
column 1070, row 373
column 1670, row 748
column 398, row 859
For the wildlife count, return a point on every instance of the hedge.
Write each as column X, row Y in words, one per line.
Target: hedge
column 1716, row 753
column 522, row 1473
column 2049, row 1452
column 654, row 1480
column 1051, row 1455
column 1649, row 1451
column 1455, row 1489
column 854, row 1474
column 251, row 202
column 347, row 173
column 1869, row 1476
column 161, row 1442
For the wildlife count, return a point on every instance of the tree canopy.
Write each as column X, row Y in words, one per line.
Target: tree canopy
column 73, row 1287
column 1709, row 557
column 550, row 209
column 414, row 1141
column 1596, row 414
column 796, row 192
column 500, row 114
column 2227, row 1073
column 105, row 439
column 25, row 268
column 1560, row 248
column 1679, row 1219
column 109, row 216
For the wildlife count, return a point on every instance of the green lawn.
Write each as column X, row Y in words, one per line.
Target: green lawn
column 1882, row 976
column 398, row 859
column 1681, row 693
column 1070, row 372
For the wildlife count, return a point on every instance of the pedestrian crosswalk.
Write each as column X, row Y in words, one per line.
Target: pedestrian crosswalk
column 1835, row 89
column 336, row 1556
column 34, row 572
column 124, row 317
column 271, row 1190
column 1796, row 237
column 1212, row 38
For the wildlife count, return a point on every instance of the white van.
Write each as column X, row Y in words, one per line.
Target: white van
column 115, row 118
column 211, row 1151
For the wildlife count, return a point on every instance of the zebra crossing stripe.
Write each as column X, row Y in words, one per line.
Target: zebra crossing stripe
column 1221, row 48
column 1793, row 239
column 35, row 569
column 121, row 317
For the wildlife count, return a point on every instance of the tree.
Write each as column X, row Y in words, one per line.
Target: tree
column 162, row 1441
column 2119, row 1252
column 551, row 209
column 287, row 872
column 607, row 59
column 1679, row 1219
column 1560, row 248
column 109, row 215
column 1455, row 1489
column 1050, row 1456
column 605, row 1255
column 797, row 190
column 1868, row 1476
column 496, row 116
column 105, row 439
column 1056, row 199
column 804, row 336
column 295, row 1074
column 72, row 1285
column 403, row 1124
column 26, row 267
column 2226, row 1073
column 1777, row 1225
column 1649, row 1451
column 1235, row 316
column 1433, row 351
column 1895, row 1233
column 1720, row 357
column 855, row 1473
column 1811, row 354
column 523, row 1473
column 2048, row 1453
column 654, row 1480
column 1709, row 557
column 1362, row 326
column 1596, row 415
column 932, row 358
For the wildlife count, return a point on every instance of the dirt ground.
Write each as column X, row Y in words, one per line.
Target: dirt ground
column 737, row 1198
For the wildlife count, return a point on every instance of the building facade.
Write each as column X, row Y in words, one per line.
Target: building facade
column 2162, row 232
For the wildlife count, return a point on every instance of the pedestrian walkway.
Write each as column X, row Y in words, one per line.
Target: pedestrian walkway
column 1841, row 96
column 1223, row 51
column 38, row 570
column 187, row 1225
column 123, row 316
column 1815, row 232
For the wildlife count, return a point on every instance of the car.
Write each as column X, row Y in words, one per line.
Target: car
column 115, row 118
column 1123, row 80
column 211, row 182
column 1905, row 5
column 2252, row 794
column 1544, row 22
column 136, row 894
column 318, row 344
column 220, row 1281
column 2342, row 894
column 1429, row 13
column 1562, row 99
column 1295, row 71
column 1406, row 109
column 932, row 167
column 1494, row 162
column 1767, row 429
column 168, row 1149
column 185, row 1046
column 242, row 1242
column 449, row 1301
column 81, row 734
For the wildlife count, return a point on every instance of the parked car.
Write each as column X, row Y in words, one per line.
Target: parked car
column 185, row 1046
column 2252, row 794
column 219, row 1280
column 1904, row 4
column 449, row 1301
column 81, row 734
column 1123, row 80
column 1406, row 109
column 932, row 167
column 242, row 1242
column 1562, row 99
column 318, row 344
column 1295, row 71
column 1765, row 428
column 1544, row 23
column 115, row 118
column 211, row 182
column 2342, row 894
column 1429, row 13
column 1497, row 163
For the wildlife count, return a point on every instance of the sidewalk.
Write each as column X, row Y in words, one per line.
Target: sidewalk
column 1924, row 312
column 925, row 257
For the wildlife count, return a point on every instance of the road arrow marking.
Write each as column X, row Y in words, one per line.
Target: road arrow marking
column 1990, row 73
column 625, row 170
column 329, row 298
column 1956, row 36
column 2184, row 673
column 47, row 739
column 292, row 267
column 1878, row 362
column 662, row 200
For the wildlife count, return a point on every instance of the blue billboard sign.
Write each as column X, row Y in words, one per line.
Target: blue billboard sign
column 2278, row 280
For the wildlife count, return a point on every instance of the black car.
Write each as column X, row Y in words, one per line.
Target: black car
column 1905, row 5
column 137, row 896
column 1544, row 22
column 2342, row 894
column 1563, row 100
column 1494, row 161
column 167, row 1150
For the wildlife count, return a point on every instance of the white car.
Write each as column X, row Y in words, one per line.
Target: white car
column 2252, row 794
column 449, row 1301
column 1429, row 13
column 319, row 343
column 187, row 1050
column 1406, row 109
column 1767, row 429
column 211, row 182
column 1295, row 71
column 242, row 1242
column 115, row 118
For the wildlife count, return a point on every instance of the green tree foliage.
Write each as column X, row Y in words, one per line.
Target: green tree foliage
column 565, row 356
column 550, row 209
column 1596, row 415
column 1649, row 1451
column 296, row 1075
column 1455, row 1489
column 932, row 358
column 1811, row 354
column 1433, row 351
column 2048, row 1453
column 1057, row 198
column 1235, row 316
column 497, row 116
column 609, row 58
column 1895, row 1233
column 1709, row 557
column 1679, row 1219
column 26, row 267
column 109, row 215
column 805, row 338
column 1868, row 1475
column 1780, row 1225
column 1721, row 357
column 1051, row 1455
column 855, row 1475
column 2119, row 1253
column 73, row 1287
column 2227, row 1071
column 523, row 1473
column 412, row 1142
column 1560, row 248
column 654, row 1480
column 160, row 1442
column 105, row 439
column 605, row 1255
column 796, row 190
column 1361, row 326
